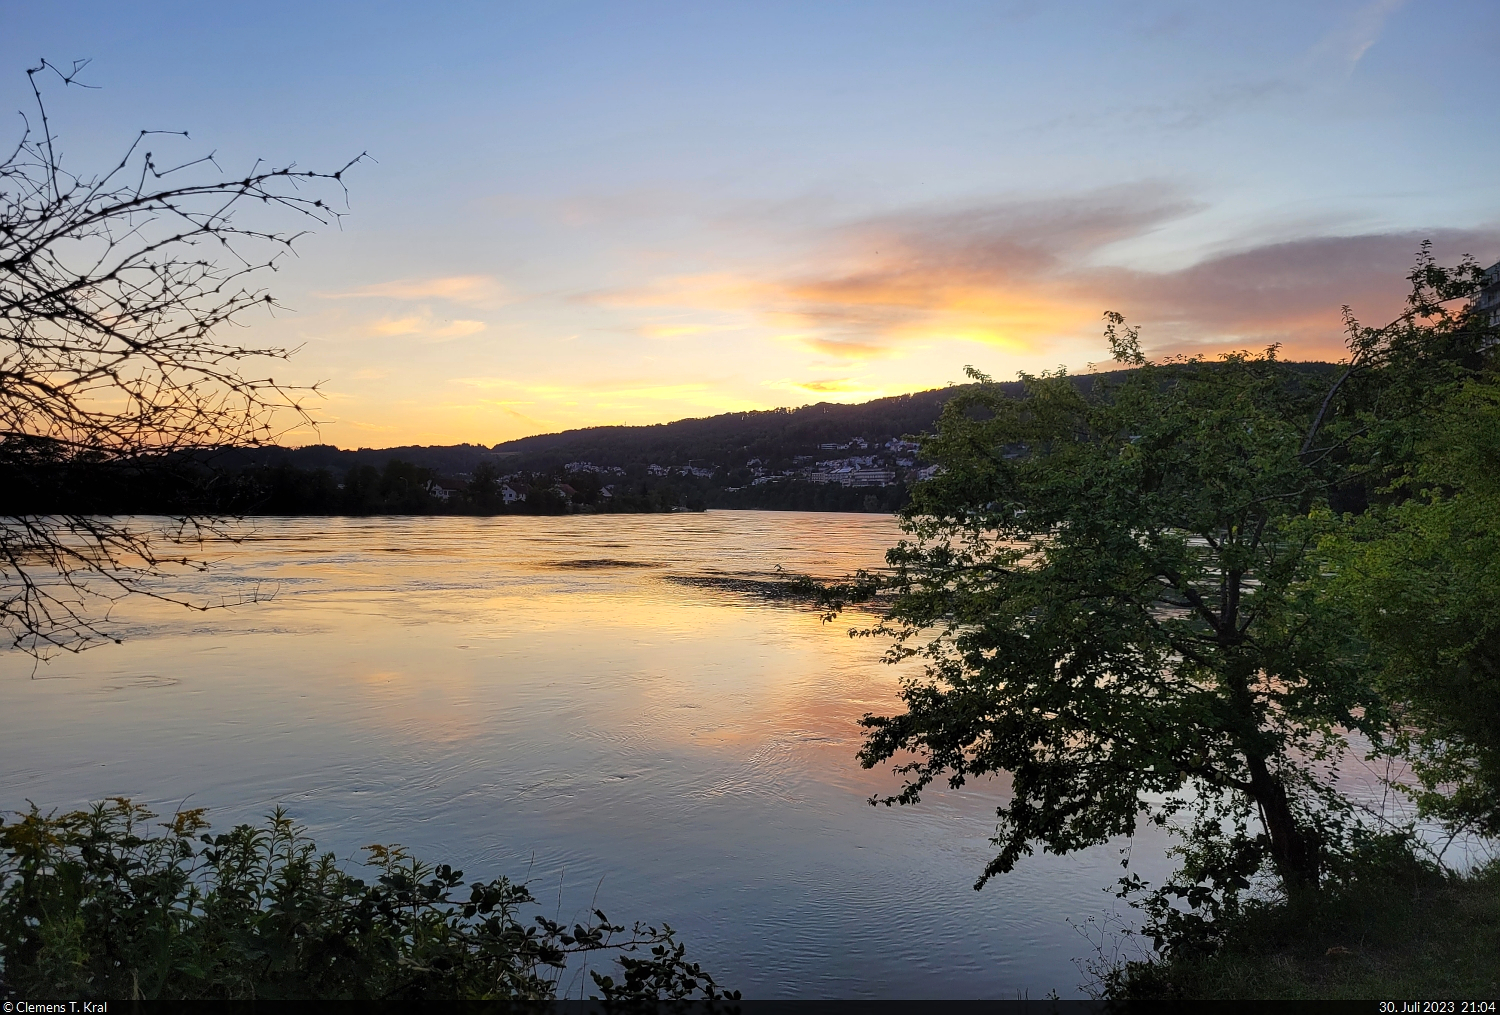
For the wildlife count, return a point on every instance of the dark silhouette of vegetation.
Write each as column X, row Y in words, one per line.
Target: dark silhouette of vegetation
column 99, row 904
column 775, row 436
column 112, row 355
column 1421, row 567
column 1129, row 600
column 321, row 479
column 1112, row 595
column 778, row 439
column 399, row 487
column 1389, row 924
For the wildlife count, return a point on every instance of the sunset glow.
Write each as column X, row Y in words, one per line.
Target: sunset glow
column 600, row 214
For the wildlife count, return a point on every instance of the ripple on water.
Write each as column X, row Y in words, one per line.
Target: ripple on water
column 610, row 731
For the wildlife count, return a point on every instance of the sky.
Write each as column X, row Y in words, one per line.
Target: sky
column 578, row 214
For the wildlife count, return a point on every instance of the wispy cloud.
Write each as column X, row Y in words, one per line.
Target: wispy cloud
column 843, row 387
column 996, row 274
column 424, row 325
column 1286, row 292
column 684, row 330
column 473, row 290
column 593, row 387
column 1022, row 275
column 1183, row 112
column 1355, row 33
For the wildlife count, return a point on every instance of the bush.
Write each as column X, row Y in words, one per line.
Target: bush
column 1385, row 924
column 98, row 904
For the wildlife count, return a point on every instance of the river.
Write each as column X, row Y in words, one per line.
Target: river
column 600, row 705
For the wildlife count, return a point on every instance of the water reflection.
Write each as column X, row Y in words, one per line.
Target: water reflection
column 609, row 704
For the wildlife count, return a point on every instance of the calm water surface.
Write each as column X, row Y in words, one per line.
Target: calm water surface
column 571, row 701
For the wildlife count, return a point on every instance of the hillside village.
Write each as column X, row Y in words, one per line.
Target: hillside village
column 824, row 457
column 893, row 463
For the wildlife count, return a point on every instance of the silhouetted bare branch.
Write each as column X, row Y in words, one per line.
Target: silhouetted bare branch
column 116, row 291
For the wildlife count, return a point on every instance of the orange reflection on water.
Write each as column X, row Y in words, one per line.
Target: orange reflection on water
column 602, row 701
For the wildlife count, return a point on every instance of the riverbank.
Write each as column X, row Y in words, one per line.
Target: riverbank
column 1410, row 932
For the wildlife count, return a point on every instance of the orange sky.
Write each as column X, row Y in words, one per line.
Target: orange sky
column 587, row 213
column 465, row 358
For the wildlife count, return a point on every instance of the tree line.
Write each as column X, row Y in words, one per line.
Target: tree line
column 195, row 485
column 205, row 484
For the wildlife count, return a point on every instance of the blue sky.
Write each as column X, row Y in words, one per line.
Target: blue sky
column 598, row 213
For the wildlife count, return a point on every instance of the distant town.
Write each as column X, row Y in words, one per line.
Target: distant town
column 826, row 457
column 893, row 463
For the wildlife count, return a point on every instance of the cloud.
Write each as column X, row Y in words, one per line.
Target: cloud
column 844, row 388
column 844, row 349
column 423, row 325
column 1352, row 38
column 994, row 274
column 1024, row 275
column 681, row 331
column 685, row 330
column 1188, row 111
column 473, row 290
column 646, row 386
column 1287, row 292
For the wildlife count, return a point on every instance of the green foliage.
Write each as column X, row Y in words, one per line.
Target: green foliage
column 1389, row 926
column 1420, row 570
column 97, row 904
column 1115, row 596
column 1127, row 598
column 1422, row 574
column 1173, row 597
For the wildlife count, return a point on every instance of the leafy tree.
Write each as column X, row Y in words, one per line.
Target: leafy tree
column 1421, row 567
column 403, row 486
column 1423, row 576
column 484, row 486
column 284, row 490
column 1119, row 597
column 362, row 494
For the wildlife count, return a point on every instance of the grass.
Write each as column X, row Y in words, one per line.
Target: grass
column 1406, row 933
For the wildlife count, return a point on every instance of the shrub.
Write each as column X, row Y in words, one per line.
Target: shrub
column 1385, row 923
column 101, row 904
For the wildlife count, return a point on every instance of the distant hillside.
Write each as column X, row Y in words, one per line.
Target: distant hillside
column 824, row 457
column 779, row 438
column 445, row 459
column 776, row 436
column 772, row 435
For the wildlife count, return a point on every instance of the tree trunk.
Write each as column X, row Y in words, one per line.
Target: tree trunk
column 1292, row 850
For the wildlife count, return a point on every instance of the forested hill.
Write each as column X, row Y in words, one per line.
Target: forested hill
column 776, row 437
column 771, row 435
column 824, row 457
